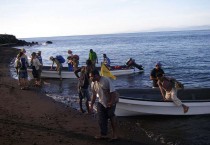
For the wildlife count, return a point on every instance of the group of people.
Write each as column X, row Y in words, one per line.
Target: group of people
column 21, row 65
column 103, row 87
column 88, row 76
column 94, row 59
column 73, row 61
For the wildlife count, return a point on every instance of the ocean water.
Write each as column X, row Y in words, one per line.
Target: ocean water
column 185, row 55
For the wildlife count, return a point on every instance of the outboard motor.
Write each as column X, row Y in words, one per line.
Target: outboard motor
column 131, row 63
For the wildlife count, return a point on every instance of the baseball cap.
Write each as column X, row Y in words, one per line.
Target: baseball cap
column 23, row 50
column 158, row 64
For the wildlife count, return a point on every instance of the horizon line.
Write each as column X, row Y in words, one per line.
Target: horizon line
column 146, row 31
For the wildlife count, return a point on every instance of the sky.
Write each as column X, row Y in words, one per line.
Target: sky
column 46, row 18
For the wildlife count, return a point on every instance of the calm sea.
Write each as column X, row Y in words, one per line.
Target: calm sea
column 185, row 55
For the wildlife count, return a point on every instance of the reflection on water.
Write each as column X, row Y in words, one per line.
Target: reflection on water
column 64, row 91
column 171, row 130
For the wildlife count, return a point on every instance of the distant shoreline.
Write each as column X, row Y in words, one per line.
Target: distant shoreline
column 149, row 31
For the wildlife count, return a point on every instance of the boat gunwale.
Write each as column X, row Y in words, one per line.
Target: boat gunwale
column 153, row 100
column 187, row 95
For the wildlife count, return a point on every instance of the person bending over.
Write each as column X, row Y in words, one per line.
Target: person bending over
column 169, row 92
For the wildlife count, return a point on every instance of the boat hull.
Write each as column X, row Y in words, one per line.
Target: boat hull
column 54, row 74
column 154, row 105
column 46, row 73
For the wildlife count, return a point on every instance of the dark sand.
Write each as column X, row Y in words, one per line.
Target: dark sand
column 28, row 117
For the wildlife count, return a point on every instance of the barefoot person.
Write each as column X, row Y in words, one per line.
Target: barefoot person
column 168, row 91
column 59, row 66
column 83, row 84
column 102, row 86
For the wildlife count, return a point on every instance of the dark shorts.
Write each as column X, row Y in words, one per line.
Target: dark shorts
column 70, row 67
column 35, row 72
column 23, row 74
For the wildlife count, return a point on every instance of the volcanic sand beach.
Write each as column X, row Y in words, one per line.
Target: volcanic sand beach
column 28, row 117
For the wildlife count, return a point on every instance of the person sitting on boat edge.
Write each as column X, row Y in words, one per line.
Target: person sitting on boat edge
column 154, row 72
column 106, row 60
column 169, row 91
column 59, row 66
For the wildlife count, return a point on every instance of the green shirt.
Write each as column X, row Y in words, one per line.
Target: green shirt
column 92, row 56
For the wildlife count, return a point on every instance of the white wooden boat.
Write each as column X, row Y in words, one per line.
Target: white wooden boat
column 135, row 102
column 47, row 73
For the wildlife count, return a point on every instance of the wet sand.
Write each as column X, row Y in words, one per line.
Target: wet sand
column 28, row 117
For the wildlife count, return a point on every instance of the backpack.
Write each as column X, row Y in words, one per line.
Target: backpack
column 60, row 58
column 179, row 85
column 76, row 57
column 175, row 83
column 17, row 63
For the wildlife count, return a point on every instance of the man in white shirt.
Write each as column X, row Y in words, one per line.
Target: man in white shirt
column 103, row 87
